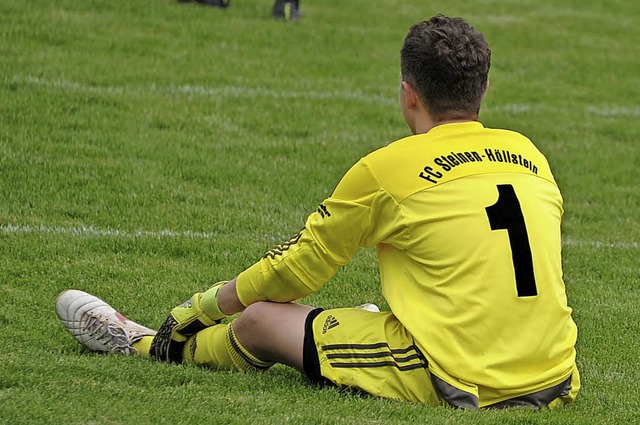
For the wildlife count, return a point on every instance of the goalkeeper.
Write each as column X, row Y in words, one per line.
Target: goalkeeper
column 466, row 223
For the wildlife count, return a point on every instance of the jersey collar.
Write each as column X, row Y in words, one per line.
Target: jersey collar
column 455, row 127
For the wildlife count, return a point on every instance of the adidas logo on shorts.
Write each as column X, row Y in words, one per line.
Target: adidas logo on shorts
column 330, row 323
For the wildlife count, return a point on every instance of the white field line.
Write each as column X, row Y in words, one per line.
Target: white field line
column 233, row 92
column 90, row 231
column 600, row 244
column 236, row 92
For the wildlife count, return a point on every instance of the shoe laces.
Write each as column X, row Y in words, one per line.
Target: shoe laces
column 113, row 336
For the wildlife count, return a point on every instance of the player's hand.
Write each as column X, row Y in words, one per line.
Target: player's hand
column 185, row 320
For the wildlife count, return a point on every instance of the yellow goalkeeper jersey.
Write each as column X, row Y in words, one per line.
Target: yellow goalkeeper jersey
column 466, row 221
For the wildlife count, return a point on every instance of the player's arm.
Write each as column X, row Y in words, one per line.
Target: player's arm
column 287, row 272
column 330, row 238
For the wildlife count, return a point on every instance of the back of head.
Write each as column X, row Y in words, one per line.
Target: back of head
column 447, row 63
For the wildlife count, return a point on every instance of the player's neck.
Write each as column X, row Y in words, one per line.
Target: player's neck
column 428, row 122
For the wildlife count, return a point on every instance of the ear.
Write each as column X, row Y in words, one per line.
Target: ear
column 410, row 96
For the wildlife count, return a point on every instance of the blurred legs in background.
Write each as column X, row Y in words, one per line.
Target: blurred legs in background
column 286, row 9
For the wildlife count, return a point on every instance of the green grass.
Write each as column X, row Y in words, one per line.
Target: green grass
column 148, row 149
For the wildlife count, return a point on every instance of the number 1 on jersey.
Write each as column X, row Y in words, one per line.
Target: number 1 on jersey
column 506, row 214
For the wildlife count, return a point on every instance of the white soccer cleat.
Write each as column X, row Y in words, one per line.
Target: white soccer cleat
column 370, row 307
column 96, row 325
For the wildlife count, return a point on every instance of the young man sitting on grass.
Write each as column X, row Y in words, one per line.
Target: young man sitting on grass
column 466, row 223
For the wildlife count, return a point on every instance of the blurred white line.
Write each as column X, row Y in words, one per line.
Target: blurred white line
column 92, row 231
column 235, row 92
column 613, row 111
column 600, row 244
column 187, row 234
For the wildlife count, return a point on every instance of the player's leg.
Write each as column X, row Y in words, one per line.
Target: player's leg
column 286, row 9
column 263, row 334
column 274, row 332
column 350, row 347
column 370, row 351
column 278, row 9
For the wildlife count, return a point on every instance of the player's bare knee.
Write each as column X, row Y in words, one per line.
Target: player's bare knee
column 253, row 322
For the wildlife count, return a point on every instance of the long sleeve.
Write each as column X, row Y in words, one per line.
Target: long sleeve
column 329, row 239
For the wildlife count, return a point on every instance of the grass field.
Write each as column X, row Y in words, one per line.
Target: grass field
column 149, row 148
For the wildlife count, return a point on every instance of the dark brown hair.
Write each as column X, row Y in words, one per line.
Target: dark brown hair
column 447, row 62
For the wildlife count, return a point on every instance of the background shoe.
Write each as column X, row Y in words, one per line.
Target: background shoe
column 286, row 9
column 96, row 325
